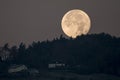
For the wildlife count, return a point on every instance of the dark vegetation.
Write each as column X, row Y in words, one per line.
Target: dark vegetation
column 94, row 53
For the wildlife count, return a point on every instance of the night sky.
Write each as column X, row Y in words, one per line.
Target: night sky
column 38, row 20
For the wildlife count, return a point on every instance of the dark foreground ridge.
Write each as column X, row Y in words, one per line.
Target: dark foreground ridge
column 87, row 54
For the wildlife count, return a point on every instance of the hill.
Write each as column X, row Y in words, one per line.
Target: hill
column 87, row 54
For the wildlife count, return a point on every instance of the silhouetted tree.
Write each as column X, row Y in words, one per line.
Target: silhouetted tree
column 92, row 53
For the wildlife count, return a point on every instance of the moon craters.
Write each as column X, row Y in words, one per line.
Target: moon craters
column 75, row 23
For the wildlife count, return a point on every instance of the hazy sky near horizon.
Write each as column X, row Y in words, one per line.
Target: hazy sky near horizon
column 38, row 20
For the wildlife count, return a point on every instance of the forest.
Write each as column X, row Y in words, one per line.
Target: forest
column 86, row 54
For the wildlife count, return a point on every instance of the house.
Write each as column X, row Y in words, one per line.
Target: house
column 18, row 70
column 56, row 65
column 22, row 70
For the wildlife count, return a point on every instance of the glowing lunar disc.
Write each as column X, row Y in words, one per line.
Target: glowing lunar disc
column 75, row 23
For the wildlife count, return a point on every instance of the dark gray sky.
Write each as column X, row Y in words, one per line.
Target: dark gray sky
column 39, row 20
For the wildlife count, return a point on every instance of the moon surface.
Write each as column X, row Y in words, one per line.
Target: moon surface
column 75, row 23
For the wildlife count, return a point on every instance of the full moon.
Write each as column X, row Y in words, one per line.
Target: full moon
column 75, row 23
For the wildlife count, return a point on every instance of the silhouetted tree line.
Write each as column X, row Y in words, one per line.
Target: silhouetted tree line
column 94, row 53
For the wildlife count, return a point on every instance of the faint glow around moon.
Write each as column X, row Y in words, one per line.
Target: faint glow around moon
column 75, row 23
